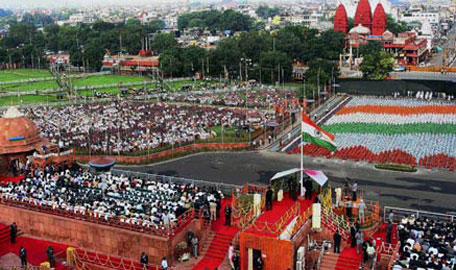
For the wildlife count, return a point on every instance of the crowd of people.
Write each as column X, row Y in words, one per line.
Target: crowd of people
column 141, row 202
column 264, row 98
column 124, row 127
column 426, row 244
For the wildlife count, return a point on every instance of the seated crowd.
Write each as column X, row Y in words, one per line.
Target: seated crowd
column 265, row 99
column 426, row 244
column 149, row 203
column 124, row 127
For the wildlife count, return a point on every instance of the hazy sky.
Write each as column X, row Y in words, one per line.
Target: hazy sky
column 76, row 3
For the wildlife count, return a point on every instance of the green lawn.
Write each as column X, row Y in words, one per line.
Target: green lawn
column 29, row 86
column 177, row 85
column 22, row 74
column 107, row 79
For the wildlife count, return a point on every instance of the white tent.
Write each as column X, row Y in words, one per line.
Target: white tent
column 318, row 176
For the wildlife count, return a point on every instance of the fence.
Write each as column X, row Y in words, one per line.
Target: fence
column 279, row 226
column 81, row 259
column 225, row 188
column 32, row 80
column 244, row 213
column 400, row 213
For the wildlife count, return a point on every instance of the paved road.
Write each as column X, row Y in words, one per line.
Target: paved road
column 425, row 190
column 423, row 75
column 438, row 59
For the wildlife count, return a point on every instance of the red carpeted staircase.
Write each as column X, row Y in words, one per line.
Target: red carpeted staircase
column 347, row 260
column 218, row 247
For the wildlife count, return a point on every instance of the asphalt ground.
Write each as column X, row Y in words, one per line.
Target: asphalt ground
column 424, row 190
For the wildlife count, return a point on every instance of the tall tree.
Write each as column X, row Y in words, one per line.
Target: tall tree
column 162, row 42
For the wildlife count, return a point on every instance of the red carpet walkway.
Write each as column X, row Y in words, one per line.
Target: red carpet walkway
column 218, row 248
column 36, row 250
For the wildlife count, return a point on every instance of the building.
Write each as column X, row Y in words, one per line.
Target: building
column 21, row 143
column 125, row 63
column 408, row 47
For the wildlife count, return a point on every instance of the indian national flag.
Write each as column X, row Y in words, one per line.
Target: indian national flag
column 313, row 134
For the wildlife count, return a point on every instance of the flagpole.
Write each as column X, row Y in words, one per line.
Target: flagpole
column 302, row 156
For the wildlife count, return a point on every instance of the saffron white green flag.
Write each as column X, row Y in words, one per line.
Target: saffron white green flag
column 314, row 134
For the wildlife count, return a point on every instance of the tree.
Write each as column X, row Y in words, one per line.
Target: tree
column 94, row 54
column 272, row 63
column 213, row 20
column 377, row 65
column 253, row 43
column 192, row 58
column 266, row 12
column 162, row 42
column 320, row 72
column 155, row 26
column 372, row 47
column 333, row 44
column 289, row 42
column 226, row 56
column 395, row 27
column 170, row 63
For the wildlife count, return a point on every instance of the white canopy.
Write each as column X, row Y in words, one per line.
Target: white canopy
column 284, row 173
column 318, row 176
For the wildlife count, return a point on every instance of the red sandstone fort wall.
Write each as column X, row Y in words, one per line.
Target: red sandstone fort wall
column 95, row 237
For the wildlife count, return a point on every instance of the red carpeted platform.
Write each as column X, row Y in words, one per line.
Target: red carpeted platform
column 279, row 209
column 380, row 235
column 14, row 179
column 36, row 250
column 218, row 248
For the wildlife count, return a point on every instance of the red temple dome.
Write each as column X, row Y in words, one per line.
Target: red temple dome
column 341, row 20
column 379, row 21
column 18, row 133
column 363, row 14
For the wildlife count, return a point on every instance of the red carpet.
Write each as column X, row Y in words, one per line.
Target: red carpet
column 380, row 235
column 218, row 248
column 14, row 179
column 348, row 259
column 278, row 210
column 36, row 250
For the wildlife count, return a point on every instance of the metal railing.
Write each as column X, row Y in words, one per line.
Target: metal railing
column 225, row 188
column 121, row 222
column 400, row 213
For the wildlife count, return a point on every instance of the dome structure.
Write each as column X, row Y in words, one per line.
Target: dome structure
column 364, row 14
column 360, row 29
column 387, row 35
column 379, row 21
column 18, row 133
column 341, row 19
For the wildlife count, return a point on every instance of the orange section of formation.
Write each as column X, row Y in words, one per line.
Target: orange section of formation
column 399, row 110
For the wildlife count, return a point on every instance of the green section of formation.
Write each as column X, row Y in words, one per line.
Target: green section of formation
column 391, row 129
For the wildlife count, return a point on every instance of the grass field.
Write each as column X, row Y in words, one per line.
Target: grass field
column 107, row 79
column 29, row 86
column 22, row 74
